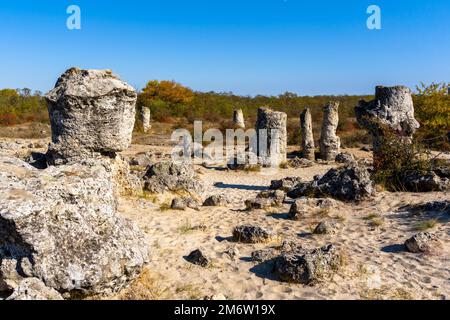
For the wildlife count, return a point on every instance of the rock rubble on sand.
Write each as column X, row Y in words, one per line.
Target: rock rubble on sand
column 252, row 234
column 308, row 266
column 170, row 176
column 423, row 242
column 351, row 183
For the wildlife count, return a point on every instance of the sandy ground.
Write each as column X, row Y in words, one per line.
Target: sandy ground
column 371, row 238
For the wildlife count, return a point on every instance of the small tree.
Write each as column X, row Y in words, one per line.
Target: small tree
column 165, row 99
column 432, row 110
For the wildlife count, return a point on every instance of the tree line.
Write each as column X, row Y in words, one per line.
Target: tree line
column 169, row 101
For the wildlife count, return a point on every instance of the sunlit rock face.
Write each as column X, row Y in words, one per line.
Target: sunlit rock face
column 91, row 111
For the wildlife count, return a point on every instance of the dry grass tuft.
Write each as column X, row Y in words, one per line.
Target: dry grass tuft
column 426, row 225
column 148, row 286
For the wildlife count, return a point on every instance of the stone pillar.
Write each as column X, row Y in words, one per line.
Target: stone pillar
column 91, row 111
column 330, row 143
column 393, row 110
column 238, row 119
column 146, row 116
column 308, row 148
column 271, row 133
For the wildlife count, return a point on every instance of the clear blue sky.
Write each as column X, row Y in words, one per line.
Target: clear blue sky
column 244, row 46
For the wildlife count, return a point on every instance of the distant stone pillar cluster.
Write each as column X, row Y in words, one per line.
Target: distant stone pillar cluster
column 307, row 144
column 391, row 109
column 146, row 118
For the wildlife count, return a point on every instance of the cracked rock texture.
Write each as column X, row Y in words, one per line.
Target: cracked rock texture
column 392, row 108
column 60, row 225
column 91, row 111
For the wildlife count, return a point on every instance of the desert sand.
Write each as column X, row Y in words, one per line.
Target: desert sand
column 371, row 237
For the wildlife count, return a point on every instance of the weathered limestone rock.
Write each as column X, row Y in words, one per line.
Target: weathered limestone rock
column 266, row 199
column 146, row 117
column 197, row 257
column 258, row 203
column 285, row 184
column 330, row 143
column 181, row 203
column 124, row 182
column 308, row 148
column 252, row 234
column 345, row 157
column 264, row 255
column 141, row 159
column 277, row 196
column 178, row 204
column 34, row 289
column 308, row 267
column 392, row 109
column 271, row 133
column 238, row 119
column 216, row 200
column 326, row 227
column 351, row 183
column 60, row 225
column 169, row 176
column 300, row 163
column 232, row 252
column 303, row 206
column 423, row 242
column 91, row 111
column 416, row 181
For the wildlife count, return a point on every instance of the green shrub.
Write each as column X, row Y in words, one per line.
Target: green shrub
column 397, row 159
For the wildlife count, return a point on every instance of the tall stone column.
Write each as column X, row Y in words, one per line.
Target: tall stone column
column 238, row 119
column 330, row 143
column 91, row 111
column 271, row 133
column 307, row 144
column 392, row 110
column 146, row 117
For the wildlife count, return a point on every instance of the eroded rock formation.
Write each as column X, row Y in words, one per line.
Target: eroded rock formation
column 271, row 132
column 146, row 118
column 330, row 143
column 351, row 183
column 308, row 148
column 392, row 110
column 238, row 119
column 91, row 112
column 60, row 225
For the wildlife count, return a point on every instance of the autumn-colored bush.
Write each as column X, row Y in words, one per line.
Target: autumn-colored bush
column 8, row 119
column 432, row 110
column 396, row 159
column 19, row 106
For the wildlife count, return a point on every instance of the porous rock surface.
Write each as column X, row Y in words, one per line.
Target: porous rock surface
column 170, row 176
column 351, row 183
column 392, row 109
column 60, row 225
column 91, row 111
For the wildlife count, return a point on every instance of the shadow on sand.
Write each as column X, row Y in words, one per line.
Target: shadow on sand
column 265, row 270
column 222, row 185
column 394, row 248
